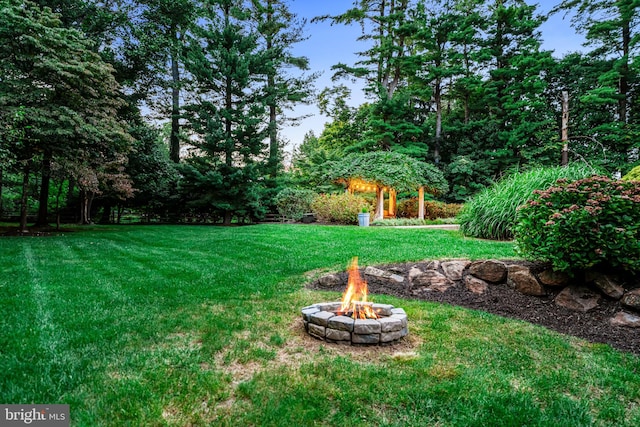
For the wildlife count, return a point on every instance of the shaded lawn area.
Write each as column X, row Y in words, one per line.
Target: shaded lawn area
column 196, row 325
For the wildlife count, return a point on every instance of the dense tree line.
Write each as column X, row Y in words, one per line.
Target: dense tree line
column 461, row 84
column 77, row 76
column 465, row 84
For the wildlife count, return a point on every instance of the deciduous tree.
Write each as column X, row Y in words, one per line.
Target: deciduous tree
column 69, row 95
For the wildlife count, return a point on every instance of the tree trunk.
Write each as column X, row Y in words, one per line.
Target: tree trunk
column 43, row 204
column 58, row 205
column 1, row 184
column 228, row 105
column 274, row 148
column 174, row 152
column 437, row 95
column 86, row 199
column 106, row 214
column 70, row 188
column 467, row 97
column 120, row 211
column 89, row 206
column 565, row 128
column 227, row 218
column 624, row 74
column 24, row 198
column 83, row 198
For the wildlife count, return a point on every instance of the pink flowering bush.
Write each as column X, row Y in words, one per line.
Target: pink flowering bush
column 588, row 223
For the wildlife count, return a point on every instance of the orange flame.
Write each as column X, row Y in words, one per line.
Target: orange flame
column 354, row 299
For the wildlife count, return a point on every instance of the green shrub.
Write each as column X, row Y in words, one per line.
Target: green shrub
column 589, row 223
column 491, row 214
column 432, row 209
column 294, row 203
column 340, row 208
column 407, row 208
column 632, row 175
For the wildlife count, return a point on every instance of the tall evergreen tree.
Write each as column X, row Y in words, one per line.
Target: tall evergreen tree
column 162, row 31
column 228, row 116
column 435, row 60
column 593, row 131
column 384, row 67
column 611, row 31
column 280, row 30
column 512, row 94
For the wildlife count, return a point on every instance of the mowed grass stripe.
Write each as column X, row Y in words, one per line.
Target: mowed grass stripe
column 19, row 339
column 210, row 335
column 43, row 351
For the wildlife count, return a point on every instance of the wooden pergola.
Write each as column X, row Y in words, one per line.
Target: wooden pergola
column 388, row 172
column 355, row 185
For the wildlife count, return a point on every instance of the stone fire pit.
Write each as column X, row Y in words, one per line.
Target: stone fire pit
column 322, row 321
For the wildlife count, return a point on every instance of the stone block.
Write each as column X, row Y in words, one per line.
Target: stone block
column 475, row 285
column 376, row 272
column 321, row 318
column 336, row 335
column 433, row 265
column 608, row 286
column 317, row 331
column 550, row 277
column 382, row 309
column 414, row 272
column 453, row 269
column 308, row 311
column 341, row 323
column 578, row 298
column 433, row 280
column 390, row 324
column 489, row 271
column 329, row 306
column 390, row 336
column 402, row 317
column 366, row 326
column 632, row 299
column 522, row 280
column 626, row 319
column 365, row 338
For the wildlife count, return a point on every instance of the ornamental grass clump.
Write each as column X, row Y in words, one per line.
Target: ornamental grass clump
column 340, row 208
column 491, row 214
column 585, row 224
column 632, row 175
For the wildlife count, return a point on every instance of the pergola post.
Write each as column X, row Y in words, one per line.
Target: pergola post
column 392, row 202
column 421, row 203
column 380, row 204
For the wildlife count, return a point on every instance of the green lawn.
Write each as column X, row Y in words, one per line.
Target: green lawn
column 196, row 325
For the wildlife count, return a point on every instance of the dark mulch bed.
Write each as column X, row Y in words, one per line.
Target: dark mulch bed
column 502, row 300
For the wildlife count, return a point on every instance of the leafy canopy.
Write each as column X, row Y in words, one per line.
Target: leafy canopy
column 390, row 169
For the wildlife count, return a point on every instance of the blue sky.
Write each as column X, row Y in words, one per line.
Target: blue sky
column 327, row 45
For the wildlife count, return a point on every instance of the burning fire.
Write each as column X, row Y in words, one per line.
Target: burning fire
column 354, row 299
